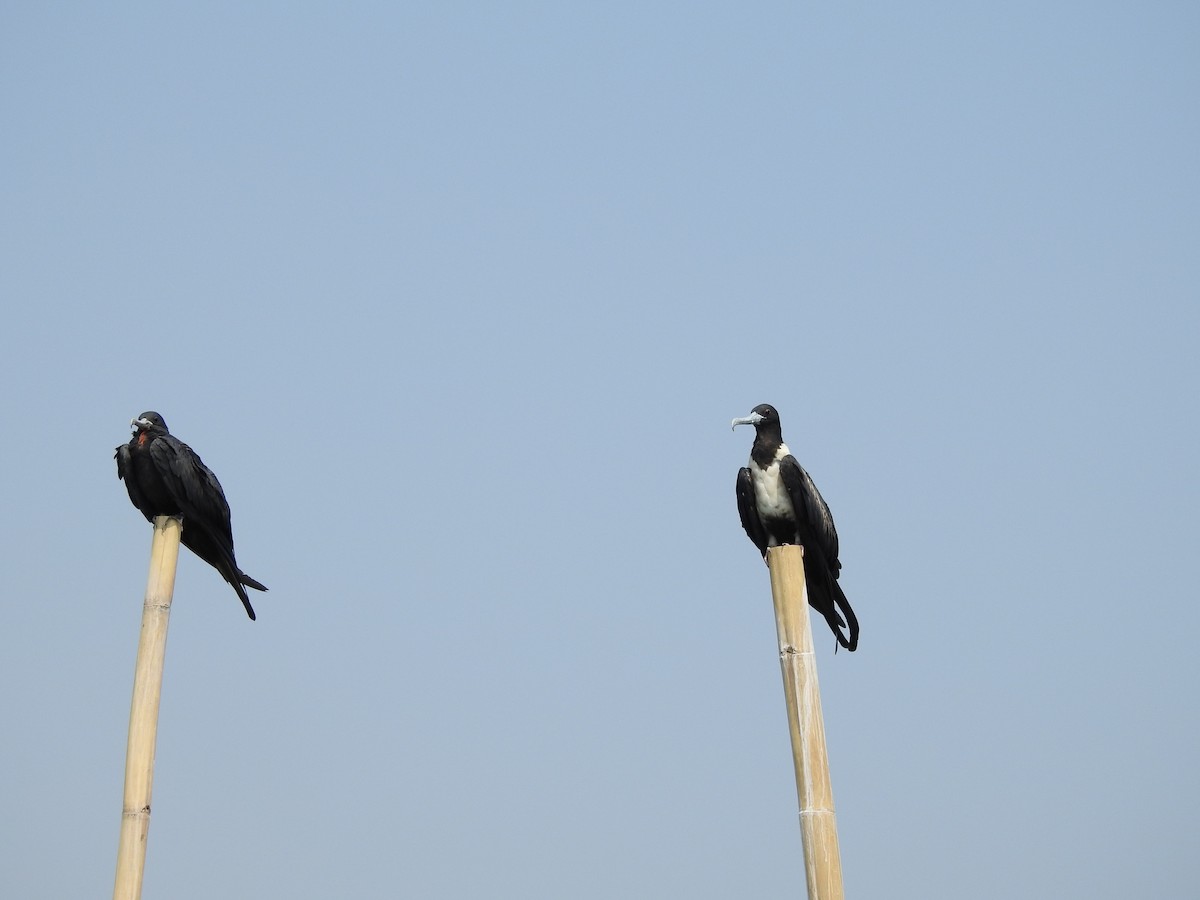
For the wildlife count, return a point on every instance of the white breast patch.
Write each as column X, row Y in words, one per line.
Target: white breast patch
column 770, row 495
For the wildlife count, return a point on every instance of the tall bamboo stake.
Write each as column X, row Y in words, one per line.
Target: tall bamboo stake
column 818, row 824
column 143, row 712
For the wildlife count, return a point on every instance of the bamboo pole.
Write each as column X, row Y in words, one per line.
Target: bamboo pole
column 818, row 823
column 143, row 712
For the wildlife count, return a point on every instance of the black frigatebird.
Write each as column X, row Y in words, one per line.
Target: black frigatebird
column 165, row 477
column 779, row 504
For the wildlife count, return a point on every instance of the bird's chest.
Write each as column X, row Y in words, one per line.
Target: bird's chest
column 770, row 495
column 156, row 494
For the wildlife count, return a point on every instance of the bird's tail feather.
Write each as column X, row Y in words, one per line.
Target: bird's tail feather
column 243, row 578
column 850, row 621
column 250, row 582
column 237, row 578
column 241, row 592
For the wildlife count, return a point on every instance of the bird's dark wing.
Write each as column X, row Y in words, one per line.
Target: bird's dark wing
column 748, row 510
column 812, row 515
column 125, row 473
column 194, row 487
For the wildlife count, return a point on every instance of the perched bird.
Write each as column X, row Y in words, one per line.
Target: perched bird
column 165, row 477
column 779, row 504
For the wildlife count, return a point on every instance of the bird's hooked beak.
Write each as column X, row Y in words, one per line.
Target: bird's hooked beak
column 139, row 424
column 752, row 419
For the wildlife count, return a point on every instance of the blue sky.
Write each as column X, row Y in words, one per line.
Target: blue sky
column 459, row 300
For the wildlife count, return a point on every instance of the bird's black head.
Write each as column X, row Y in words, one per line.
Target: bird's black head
column 149, row 421
column 763, row 417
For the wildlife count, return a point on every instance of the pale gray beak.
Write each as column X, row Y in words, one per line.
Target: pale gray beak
column 752, row 419
column 138, row 424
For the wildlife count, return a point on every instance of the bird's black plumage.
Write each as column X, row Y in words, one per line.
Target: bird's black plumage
column 779, row 504
column 165, row 477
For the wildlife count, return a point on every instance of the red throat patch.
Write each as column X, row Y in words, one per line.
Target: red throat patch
column 141, row 439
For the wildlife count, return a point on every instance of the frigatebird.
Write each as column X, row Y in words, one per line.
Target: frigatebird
column 779, row 504
column 165, row 477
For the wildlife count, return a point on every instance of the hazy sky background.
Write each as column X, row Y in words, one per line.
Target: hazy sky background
column 458, row 301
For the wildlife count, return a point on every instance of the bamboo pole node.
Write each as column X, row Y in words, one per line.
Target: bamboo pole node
column 798, row 663
column 143, row 710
